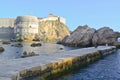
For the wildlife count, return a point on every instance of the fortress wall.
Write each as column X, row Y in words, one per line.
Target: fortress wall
column 6, row 33
column 54, row 19
column 6, row 22
column 49, row 18
column 62, row 20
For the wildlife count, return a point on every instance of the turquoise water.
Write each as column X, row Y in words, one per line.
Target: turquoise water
column 107, row 68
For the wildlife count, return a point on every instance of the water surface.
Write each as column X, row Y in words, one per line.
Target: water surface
column 12, row 52
column 107, row 68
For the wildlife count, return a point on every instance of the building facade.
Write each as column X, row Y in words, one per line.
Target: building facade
column 25, row 27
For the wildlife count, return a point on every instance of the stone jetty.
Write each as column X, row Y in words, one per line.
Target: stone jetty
column 50, row 65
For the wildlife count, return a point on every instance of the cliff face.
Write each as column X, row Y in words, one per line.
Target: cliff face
column 52, row 30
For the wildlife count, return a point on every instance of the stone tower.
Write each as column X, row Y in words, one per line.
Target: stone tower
column 26, row 27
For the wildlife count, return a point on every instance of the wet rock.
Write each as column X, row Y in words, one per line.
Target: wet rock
column 17, row 45
column 1, row 49
column 6, row 42
column 29, row 54
column 36, row 44
column 61, row 48
column 117, row 44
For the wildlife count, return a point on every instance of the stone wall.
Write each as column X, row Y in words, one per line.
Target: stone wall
column 6, row 22
column 26, row 26
column 54, row 18
column 6, row 33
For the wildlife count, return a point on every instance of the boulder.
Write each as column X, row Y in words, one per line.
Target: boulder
column 36, row 44
column 103, row 36
column 6, row 42
column 17, row 45
column 117, row 44
column 82, row 37
column 51, row 31
column 1, row 49
column 29, row 54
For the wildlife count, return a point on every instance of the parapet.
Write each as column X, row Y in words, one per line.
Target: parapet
column 52, row 17
column 26, row 19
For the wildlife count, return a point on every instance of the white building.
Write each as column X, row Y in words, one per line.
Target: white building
column 26, row 26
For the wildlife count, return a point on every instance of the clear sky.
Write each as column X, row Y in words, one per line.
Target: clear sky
column 94, row 13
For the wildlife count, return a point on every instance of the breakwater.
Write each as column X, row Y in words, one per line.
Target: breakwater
column 50, row 66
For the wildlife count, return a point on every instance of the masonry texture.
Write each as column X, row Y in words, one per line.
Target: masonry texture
column 24, row 27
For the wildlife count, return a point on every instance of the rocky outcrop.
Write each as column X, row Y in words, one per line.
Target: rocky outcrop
column 104, row 36
column 1, row 49
column 82, row 36
column 52, row 30
column 6, row 42
column 36, row 44
column 28, row 54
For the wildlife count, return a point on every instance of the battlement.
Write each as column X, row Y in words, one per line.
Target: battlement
column 24, row 27
column 52, row 17
column 7, row 22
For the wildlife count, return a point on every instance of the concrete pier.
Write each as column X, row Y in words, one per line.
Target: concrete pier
column 50, row 64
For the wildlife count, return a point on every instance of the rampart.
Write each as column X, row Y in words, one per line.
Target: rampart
column 6, row 22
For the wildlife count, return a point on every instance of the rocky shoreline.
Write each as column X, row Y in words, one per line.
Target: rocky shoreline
column 85, row 36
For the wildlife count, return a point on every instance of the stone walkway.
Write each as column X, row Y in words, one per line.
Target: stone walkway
column 11, row 67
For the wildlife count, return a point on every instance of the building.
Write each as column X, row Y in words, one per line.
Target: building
column 24, row 27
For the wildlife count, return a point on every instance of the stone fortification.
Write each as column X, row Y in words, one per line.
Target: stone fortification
column 52, row 17
column 6, row 33
column 26, row 27
column 6, row 22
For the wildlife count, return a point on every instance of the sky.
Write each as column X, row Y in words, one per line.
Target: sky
column 94, row 13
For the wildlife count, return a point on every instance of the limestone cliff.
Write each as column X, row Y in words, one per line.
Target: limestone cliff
column 52, row 30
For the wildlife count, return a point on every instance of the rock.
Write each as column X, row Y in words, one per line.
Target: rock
column 36, row 44
column 1, row 49
column 82, row 37
column 117, row 44
column 6, row 42
column 51, row 31
column 104, row 36
column 61, row 48
column 25, row 54
column 17, row 45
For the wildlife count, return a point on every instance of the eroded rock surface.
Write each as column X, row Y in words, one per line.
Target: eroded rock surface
column 52, row 30
column 104, row 36
column 82, row 36
column 85, row 36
